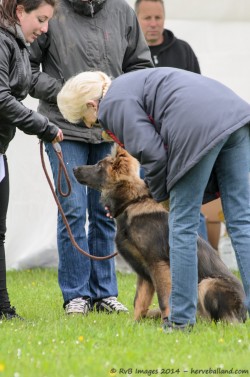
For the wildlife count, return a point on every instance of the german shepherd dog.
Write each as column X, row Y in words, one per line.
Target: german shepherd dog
column 142, row 239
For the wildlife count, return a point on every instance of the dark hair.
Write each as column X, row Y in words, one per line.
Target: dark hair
column 8, row 9
column 138, row 2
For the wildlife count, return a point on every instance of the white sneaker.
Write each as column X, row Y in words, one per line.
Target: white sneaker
column 110, row 305
column 77, row 305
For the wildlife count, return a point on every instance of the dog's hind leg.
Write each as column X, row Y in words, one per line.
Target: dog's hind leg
column 143, row 297
column 160, row 275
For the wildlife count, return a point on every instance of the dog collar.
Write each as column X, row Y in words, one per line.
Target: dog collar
column 126, row 205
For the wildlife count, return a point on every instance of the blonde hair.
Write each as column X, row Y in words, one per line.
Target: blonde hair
column 78, row 90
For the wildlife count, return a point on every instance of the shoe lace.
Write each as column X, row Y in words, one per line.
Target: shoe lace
column 78, row 303
column 115, row 304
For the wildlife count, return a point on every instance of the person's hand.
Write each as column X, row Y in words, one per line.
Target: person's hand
column 108, row 213
column 106, row 137
column 59, row 137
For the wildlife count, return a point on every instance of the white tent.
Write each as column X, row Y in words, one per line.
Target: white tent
column 217, row 30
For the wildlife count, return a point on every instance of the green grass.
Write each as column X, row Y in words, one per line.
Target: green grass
column 50, row 344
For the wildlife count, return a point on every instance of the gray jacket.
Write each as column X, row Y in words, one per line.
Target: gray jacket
column 110, row 41
column 169, row 119
column 15, row 79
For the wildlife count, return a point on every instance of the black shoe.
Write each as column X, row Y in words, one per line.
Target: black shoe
column 170, row 327
column 10, row 313
column 78, row 305
column 110, row 305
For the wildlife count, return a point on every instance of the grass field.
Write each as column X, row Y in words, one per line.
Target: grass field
column 50, row 344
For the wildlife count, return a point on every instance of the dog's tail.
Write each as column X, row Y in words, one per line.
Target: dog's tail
column 220, row 299
column 210, row 263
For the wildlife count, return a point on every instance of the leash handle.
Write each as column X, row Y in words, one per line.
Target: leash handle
column 62, row 166
column 58, row 150
column 57, row 147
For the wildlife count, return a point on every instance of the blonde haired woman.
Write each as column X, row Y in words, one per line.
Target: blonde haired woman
column 191, row 135
column 80, row 96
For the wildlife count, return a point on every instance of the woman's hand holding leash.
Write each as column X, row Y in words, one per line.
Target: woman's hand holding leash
column 59, row 137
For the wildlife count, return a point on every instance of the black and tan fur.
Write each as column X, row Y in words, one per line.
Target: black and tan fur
column 142, row 239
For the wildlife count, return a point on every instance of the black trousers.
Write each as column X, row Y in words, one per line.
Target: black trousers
column 4, row 201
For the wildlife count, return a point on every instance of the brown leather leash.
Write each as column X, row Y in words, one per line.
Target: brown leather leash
column 62, row 167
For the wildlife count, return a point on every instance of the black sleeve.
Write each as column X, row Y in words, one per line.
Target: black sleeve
column 13, row 112
column 43, row 86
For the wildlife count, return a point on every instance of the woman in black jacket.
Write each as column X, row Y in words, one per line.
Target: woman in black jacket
column 21, row 22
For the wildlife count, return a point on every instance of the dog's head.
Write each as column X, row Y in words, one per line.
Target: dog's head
column 116, row 167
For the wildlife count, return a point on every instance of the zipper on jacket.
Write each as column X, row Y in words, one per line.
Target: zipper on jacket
column 91, row 8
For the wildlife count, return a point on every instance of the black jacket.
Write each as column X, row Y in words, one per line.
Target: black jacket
column 175, row 53
column 110, row 41
column 15, row 79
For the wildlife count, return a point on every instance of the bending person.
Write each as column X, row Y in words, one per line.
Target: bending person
column 191, row 135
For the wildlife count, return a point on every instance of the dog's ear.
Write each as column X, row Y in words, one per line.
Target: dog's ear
column 118, row 151
column 121, row 165
column 121, row 152
column 124, row 163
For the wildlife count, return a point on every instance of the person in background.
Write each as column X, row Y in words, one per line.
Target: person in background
column 191, row 135
column 83, row 36
column 21, row 22
column 166, row 51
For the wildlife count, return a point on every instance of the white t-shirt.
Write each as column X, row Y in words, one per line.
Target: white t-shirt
column 2, row 168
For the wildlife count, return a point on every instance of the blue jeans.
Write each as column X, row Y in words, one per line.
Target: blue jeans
column 230, row 159
column 202, row 230
column 78, row 275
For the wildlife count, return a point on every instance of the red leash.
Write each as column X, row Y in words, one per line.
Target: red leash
column 62, row 167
